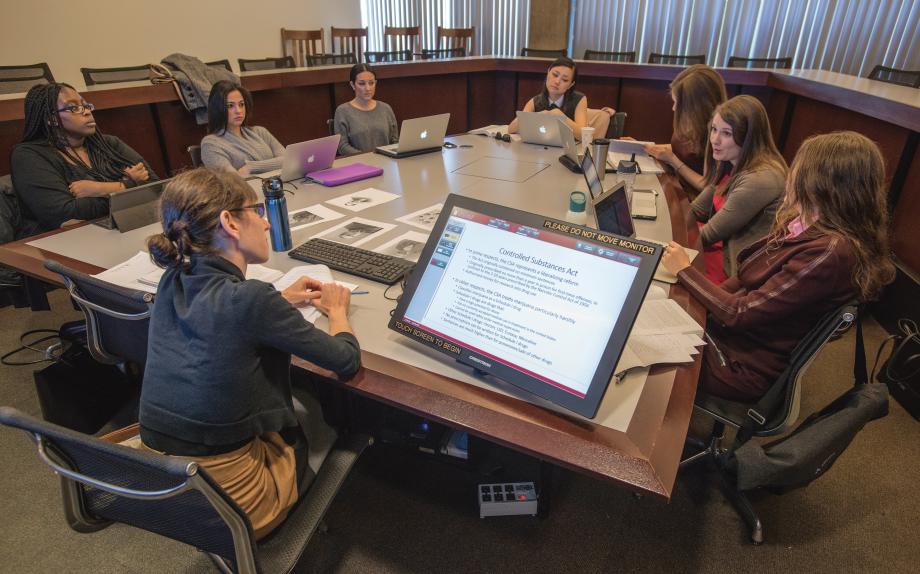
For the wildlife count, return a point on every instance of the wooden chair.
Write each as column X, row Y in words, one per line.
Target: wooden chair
column 537, row 53
column 907, row 78
column 775, row 63
column 676, row 59
column 331, row 60
column 304, row 43
column 457, row 38
column 93, row 76
column 609, row 56
column 350, row 41
column 265, row 64
column 402, row 39
column 16, row 79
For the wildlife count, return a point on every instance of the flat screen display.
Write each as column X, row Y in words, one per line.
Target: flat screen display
column 612, row 212
column 536, row 302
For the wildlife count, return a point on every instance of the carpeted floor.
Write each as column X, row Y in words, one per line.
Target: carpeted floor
column 403, row 512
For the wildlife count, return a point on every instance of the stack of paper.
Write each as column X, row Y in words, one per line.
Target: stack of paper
column 663, row 333
column 320, row 273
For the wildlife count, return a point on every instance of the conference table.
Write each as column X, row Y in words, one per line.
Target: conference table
column 636, row 438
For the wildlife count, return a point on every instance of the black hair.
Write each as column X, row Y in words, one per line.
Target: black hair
column 565, row 63
column 217, row 105
column 357, row 69
column 43, row 123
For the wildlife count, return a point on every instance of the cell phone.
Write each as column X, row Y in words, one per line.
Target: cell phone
column 644, row 204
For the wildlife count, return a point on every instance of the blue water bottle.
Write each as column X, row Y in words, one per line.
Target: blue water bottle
column 276, row 208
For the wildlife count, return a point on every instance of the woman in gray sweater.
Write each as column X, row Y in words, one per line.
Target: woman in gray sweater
column 364, row 123
column 744, row 184
column 231, row 145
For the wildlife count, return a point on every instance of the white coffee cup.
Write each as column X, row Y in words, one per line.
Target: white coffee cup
column 587, row 136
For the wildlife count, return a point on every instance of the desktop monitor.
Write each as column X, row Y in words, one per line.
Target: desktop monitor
column 536, row 302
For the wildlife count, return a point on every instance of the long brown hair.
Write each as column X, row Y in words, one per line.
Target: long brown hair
column 190, row 209
column 838, row 180
column 751, row 131
column 696, row 91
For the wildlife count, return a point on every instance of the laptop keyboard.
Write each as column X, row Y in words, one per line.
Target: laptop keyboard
column 354, row 260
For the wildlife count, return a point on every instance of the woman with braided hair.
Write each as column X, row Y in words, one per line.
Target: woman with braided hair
column 64, row 168
column 217, row 383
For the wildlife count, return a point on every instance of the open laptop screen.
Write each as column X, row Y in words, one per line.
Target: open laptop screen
column 536, row 302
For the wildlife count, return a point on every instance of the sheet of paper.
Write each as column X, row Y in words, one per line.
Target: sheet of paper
column 646, row 163
column 313, row 215
column 356, row 231
column 361, row 200
column 424, row 218
column 318, row 272
column 129, row 273
column 629, row 146
column 409, row 246
column 661, row 316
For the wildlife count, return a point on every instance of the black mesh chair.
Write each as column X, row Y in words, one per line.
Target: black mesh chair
column 194, row 152
column 330, row 125
column 102, row 483
column 908, row 78
column 16, row 79
column 331, row 60
column 676, row 59
column 770, row 419
column 117, row 318
column 266, row 64
column 443, row 53
column 610, row 56
column 535, row 53
column 380, row 57
column 773, row 63
column 617, row 125
column 93, row 76
column 225, row 64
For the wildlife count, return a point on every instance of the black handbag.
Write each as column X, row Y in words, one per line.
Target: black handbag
column 901, row 372
column 812, row 448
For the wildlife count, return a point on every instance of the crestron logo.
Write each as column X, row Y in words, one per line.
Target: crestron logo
column 542, row 129
column 480, row 361
column 310, row 159
column 424, row 134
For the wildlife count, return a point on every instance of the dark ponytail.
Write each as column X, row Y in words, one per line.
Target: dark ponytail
column 190, row 209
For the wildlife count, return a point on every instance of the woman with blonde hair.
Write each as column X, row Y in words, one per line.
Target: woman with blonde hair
column 217, row 384
column 744, row 183
column 828, row 245
column 696, row 92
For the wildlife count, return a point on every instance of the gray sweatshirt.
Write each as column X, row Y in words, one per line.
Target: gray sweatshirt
column 365, row 130
column 747, row 215
column 258, row 148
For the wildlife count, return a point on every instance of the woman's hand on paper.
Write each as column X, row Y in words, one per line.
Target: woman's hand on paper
column 675, row 258
column 303, row 289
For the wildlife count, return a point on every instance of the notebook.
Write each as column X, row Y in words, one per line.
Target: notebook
column 418, row 136
column 345, row 174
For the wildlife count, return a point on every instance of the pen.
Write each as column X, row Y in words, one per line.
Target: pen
column 360, row 292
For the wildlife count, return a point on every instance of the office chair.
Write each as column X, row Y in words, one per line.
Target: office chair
column 400, row 39
column 265, row 64
column 457, row 38
column 676, row 59
column 93, row 76
column 225, row 64
column 774, row 63
column 909, row 78
column 331, row 60
column 194, row 152
column 609, row 56
column 535, row 53
column 16, row 79
column 330, row 125
column 443, row 53
column 380, row 57
column 103, row 482
column 617, row 125
column 770, row 420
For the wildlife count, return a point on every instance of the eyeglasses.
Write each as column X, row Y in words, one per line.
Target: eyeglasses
column 258, row 207
column 78, row 108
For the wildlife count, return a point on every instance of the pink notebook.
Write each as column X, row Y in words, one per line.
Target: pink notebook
column 345, row 174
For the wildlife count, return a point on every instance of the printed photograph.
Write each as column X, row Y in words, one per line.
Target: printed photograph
column 424, row 218
column 312, row 215
column 407, row 246
column 364, row 199
column 356, row 231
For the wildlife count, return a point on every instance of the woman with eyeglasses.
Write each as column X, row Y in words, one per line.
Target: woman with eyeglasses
column 65, row 169
column 232, row 144
column 364, row 123
column 217, row 383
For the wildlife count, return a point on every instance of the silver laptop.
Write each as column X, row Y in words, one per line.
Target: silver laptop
column 642, row 205
column 539, row 128
column 306, row 157
column 418, row 136
column 134, row 207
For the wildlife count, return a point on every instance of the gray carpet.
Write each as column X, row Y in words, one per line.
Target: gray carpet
column 401, row 512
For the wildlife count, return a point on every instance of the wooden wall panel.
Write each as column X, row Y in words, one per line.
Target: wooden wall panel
column 600, row 91
column 137, row 127
column 10, row 135
column 528, row 86
column 492, row 98
column 905, row 235
column 294, row 114
column 179, row 131
column 444, row 93
column 648, row 107
column 778, row 106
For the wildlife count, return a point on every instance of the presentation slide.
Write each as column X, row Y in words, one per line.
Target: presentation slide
column 537, row 301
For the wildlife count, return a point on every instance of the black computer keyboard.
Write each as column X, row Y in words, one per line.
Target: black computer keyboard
column 353, row 260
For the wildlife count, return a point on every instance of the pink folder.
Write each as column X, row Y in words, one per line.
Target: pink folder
column 345, row 174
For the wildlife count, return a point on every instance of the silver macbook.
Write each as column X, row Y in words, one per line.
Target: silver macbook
column 134, row 207
column 539, row 128
column 643, row 203
column 306, row 157
column 418, row 136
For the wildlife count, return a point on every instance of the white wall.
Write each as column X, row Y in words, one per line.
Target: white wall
column 70, row 34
